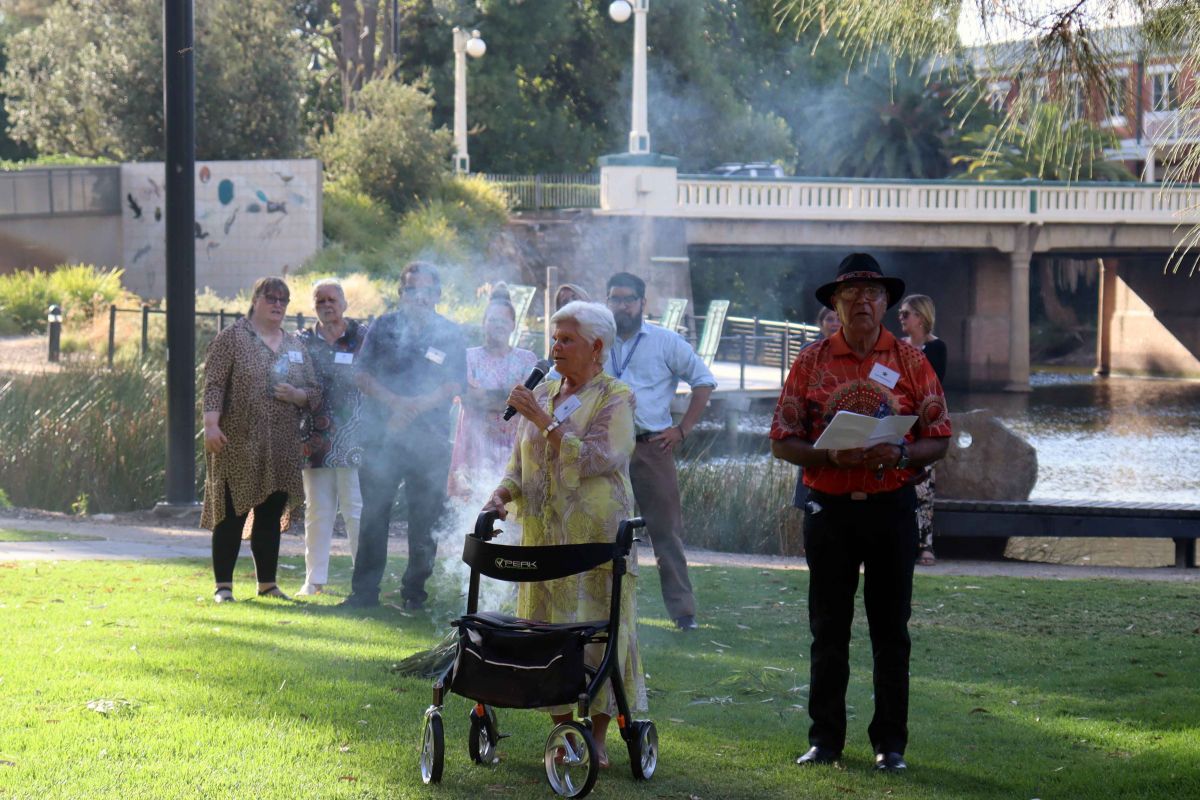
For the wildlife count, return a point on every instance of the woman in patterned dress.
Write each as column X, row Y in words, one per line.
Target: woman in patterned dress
column 257, row 378
column 917, row 315
column 484, row 439
column 569, row 479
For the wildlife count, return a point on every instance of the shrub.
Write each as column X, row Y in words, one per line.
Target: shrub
column 354, row 220
column 80, row 289
column 24, row 298
column 387, row 147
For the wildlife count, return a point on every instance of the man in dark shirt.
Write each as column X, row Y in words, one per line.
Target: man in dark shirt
column 412, row 364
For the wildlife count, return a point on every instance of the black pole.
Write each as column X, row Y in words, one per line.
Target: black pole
column 179, row 113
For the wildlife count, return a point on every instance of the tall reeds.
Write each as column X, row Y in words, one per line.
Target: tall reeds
column 740, row 504
column 85, row 439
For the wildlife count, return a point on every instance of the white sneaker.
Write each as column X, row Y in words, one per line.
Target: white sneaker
column 308, row 589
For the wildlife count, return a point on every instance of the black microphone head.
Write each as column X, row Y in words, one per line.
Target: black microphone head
column 544, row 366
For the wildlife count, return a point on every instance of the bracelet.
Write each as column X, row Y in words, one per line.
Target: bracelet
column 546, row 431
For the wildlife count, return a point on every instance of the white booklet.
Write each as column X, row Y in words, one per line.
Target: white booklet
column 849, row 430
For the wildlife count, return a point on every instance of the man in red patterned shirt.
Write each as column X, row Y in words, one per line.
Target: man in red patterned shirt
column 860, row 509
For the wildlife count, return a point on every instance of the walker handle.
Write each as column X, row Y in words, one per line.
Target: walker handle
column 483, row 525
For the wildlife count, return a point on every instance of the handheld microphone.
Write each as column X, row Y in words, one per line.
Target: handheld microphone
column 535, row 377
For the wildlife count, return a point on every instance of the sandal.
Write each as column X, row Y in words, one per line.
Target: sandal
column 275, row 592
column 926, row 557
column 223, row 594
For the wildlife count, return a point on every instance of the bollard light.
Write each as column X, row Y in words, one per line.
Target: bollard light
column 54, row 316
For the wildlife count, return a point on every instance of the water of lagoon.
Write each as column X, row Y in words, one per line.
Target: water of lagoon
column 1115, row 439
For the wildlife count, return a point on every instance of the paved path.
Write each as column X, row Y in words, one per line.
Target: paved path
column 120, row 540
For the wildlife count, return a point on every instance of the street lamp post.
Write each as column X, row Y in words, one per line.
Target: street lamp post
column 464, row 46
column 179, row 98
column 620, row 10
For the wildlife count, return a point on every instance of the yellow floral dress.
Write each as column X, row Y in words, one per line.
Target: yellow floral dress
column 576, row 496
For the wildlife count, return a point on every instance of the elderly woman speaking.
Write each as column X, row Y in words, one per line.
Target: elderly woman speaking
column 569, row 479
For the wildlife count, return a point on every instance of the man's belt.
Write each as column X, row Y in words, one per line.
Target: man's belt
column 645, row 437
column 858, row 497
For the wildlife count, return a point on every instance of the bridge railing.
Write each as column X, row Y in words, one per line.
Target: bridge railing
column 936, row 201
column 538, row 192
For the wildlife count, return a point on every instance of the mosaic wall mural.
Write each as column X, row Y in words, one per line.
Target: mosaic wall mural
column 253, row 218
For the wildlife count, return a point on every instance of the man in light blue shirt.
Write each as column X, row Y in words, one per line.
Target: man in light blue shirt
column 652, row 360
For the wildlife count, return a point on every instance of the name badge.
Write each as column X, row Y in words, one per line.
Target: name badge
column 435, row 355
column 295, row 356
column 343, row 358
column 884, row 375
column 566, row 408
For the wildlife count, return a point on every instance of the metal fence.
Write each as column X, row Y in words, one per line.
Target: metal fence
column 208, row 324
column 60, row 191
column 538, row 192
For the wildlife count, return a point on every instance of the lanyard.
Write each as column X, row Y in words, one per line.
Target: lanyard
column 624, row 364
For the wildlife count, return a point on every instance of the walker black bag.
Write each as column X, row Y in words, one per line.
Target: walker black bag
column 512, row 663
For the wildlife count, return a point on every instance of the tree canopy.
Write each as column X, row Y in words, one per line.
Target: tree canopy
column 87, row 80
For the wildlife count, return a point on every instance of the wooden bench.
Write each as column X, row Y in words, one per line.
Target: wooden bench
column 1066, row 518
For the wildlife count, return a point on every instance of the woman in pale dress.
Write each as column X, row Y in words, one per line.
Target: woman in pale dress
column 484, row 439
column 569, row 480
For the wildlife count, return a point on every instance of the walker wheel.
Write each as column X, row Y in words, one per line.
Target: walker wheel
column 643, row 749
column 433, row 748
column 571, row 764
column 484, row 737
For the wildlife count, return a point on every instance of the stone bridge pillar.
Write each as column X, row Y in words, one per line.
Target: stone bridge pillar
column 1018, row 298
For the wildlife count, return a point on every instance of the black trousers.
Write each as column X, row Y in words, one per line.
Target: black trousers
column 422, row 463
column 264, row 539
column 840, row 534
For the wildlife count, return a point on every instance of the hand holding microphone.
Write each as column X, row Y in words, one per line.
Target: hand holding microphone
column 535, row 377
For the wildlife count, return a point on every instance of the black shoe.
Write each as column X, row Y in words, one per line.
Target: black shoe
column 411, row 604
column 818, row 755
column 686, row 623
column 360, row 601
column 890, row 762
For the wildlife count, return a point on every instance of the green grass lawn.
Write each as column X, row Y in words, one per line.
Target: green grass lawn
column 10, row 535
column 123, row 679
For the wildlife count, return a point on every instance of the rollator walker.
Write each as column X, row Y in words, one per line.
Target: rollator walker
column 506, row 662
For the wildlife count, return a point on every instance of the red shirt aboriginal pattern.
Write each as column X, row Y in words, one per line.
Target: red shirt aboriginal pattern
column 828, row 377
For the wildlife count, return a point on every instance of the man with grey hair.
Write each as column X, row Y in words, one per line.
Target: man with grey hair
column 652, row 360
column 332, row 434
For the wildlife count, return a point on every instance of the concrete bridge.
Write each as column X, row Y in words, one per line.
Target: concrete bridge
column 968, row 245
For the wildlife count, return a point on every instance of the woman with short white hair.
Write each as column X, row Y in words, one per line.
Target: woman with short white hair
column 332, row 434
column 569, row 480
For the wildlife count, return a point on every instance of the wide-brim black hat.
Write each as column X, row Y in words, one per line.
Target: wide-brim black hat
column 861, row 267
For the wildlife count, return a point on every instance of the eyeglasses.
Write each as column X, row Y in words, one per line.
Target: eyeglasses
column 623, row 300
column 421, row 291
column 275, row 299
column 870, row 291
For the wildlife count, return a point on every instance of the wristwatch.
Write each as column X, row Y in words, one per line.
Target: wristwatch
column 903, row 461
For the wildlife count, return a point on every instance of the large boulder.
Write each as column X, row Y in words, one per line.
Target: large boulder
column 986, row 460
